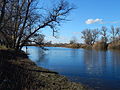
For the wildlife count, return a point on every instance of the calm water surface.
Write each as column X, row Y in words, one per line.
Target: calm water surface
column 97, row 69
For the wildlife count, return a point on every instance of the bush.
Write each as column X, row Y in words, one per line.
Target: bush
column 85, row 46
column 114, row 45
column 73, row 46
column 100, row 45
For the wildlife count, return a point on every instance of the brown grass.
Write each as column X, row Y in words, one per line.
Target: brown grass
column 73, row 46
column 17, row 72
column 115, row 45
column 2, row 47
column 85, row 46
column 100, row 46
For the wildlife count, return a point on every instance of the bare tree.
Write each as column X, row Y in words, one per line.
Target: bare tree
column 95, row 34
column 90, row 36
column 104, row 34
column 39, row 39
column 87, row 36
column 118, row 29
column 2, row 10
column 23, row 19
column 114, row 32
column 73, row 40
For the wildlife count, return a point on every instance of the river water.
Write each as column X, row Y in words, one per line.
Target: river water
column 96, row 69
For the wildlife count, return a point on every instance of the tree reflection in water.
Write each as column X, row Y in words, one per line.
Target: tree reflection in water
column 100, row 69
column 38, row 54
column 95, row 61
column 41, row 54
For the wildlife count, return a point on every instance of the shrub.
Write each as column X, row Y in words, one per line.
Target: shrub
column 114, row 45
column 100, row 45
column 86, row 46
column 73, row 46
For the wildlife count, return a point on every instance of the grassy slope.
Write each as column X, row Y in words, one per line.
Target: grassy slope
column 17, row 72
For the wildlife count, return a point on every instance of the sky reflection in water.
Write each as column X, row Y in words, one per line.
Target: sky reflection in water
column 98, row 69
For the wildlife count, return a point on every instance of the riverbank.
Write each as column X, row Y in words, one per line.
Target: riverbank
column 97, row 46
column 17, row 72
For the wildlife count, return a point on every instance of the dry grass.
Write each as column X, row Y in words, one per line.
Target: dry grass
column 2, row 47
column 73, row 45
column 100, row 46
column 17, row 72
column 85, row 46
column 115, row 45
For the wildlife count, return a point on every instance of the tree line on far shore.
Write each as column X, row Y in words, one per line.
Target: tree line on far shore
column 100, row 38
column 91, row 36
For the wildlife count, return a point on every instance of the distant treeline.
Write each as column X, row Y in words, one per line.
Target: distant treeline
column 103, row 38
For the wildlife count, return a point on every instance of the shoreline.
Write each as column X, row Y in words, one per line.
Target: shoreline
column 96, row 46
column 19, row 72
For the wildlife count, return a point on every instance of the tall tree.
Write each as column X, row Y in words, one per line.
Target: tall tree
column 23, row 19
column 2, row 10
column 103, row 33
column 114, row 32
column 87, row 36
column 95, row 34
column 118, row 29
column 90, row 36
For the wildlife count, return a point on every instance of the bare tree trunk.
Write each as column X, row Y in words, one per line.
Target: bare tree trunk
column 2, row 12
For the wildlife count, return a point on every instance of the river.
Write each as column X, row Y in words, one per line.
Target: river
column 96, row 69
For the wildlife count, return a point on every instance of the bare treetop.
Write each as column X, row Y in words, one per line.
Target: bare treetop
column 23, row 19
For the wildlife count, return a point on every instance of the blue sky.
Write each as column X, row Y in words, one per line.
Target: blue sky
column 88, row 14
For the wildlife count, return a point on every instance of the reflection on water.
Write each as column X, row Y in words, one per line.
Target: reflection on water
column 95, row 61
column 36, row 54
column 98, row 69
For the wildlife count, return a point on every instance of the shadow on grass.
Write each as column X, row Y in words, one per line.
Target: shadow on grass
column 17, row 72
column 12, row 76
